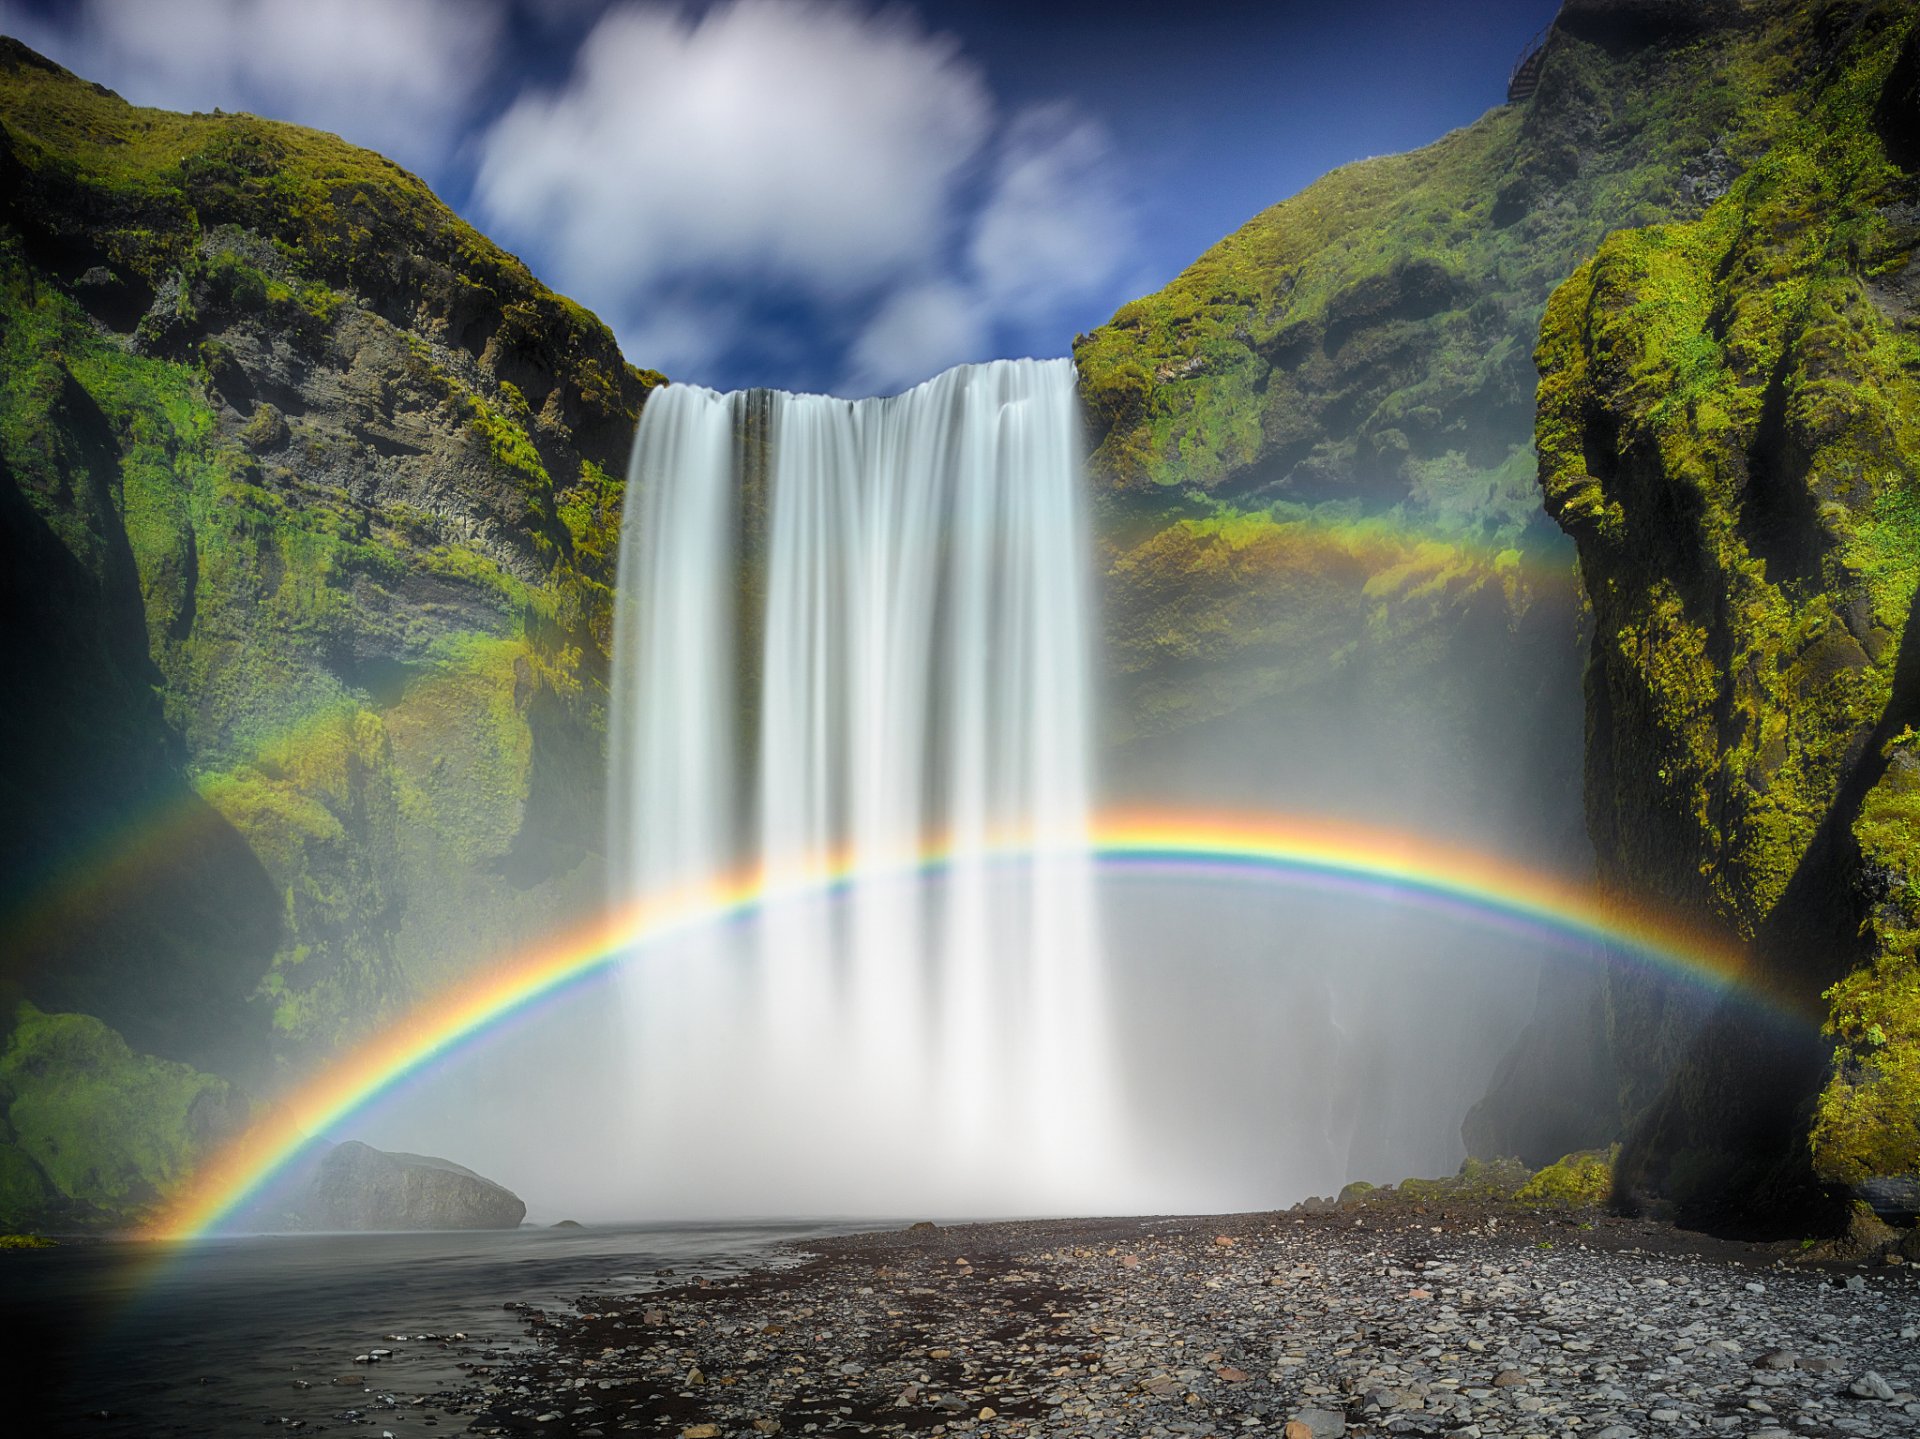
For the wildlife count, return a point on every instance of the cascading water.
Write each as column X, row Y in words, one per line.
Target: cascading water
column 844, row 628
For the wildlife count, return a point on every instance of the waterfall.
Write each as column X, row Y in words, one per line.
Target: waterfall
column 845, row 628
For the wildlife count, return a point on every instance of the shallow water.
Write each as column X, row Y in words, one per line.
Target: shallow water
column 215, row 1336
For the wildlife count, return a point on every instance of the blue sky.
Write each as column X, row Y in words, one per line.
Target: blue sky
column 829, row 194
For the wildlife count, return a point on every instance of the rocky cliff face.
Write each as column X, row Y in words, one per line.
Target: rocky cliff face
column 1727, row 428
column 307, row 496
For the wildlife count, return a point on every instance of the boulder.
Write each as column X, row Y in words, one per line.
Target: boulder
column 358, row 1187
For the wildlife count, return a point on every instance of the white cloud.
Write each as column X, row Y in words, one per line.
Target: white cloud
column 918, row 331
column 1055, row 228
column 1052, row 230
column 751, row 177
column 796, row 140
column 398, row 76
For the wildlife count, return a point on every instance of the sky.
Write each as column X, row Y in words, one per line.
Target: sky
column 829, row 195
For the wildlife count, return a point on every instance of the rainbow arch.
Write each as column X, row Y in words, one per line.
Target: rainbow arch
column 1397, row 865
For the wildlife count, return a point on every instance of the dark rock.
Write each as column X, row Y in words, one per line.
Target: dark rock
column 1632, row 24
column 1897, row 117
column 1893, row 1196
column 358, row 1187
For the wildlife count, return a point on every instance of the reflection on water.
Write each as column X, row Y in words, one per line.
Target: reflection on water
column 229, row 1335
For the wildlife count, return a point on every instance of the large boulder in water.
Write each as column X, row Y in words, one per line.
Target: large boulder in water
column 359, row 1187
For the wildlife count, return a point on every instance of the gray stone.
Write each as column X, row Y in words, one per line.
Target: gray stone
column 1323, row 1423
column 1871, row 1386
column 357, row 1187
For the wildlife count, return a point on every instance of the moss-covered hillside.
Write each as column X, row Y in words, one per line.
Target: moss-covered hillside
column 1350, row 377
column 1729, row 428
column 1330, row 583
column 307, row 496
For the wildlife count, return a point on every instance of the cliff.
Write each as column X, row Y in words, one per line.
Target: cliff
column 307, row 496
column 1316, row 447
column 1727, row 428
column 1330, row 583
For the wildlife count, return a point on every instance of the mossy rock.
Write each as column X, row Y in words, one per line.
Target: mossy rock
column 1581, row 1180
column 1729, row 427
column 109, row 1132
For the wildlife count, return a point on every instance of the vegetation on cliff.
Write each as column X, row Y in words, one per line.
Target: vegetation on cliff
column 306, row 494
column 95, row 1133
column 1348, row 381
column 1727, row 428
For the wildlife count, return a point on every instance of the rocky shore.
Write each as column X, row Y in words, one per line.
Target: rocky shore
column 1418, row 1321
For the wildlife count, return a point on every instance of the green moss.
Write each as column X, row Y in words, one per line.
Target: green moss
column 296, row 621
column 113, row 1130
column 318, row 806
column 25, row 1241
column 463, row 748
column 1574, row 1181
column 1729, row 426
column 1371, row 334
column 24, row 1190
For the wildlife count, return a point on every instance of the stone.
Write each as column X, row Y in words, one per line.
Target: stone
column 1871, row 1386
column 1318, row 1424
column 358, row 1188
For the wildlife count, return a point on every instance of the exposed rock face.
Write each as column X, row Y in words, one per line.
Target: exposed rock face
column 358, row 1187
column 1727, row 429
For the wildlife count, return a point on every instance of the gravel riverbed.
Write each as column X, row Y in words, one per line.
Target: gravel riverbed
column 1304, row 1326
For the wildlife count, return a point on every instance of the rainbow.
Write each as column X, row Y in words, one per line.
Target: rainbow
column 1399, row 866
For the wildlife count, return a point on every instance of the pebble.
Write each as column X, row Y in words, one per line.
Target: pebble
column 1871, row 1386
column 1302, row 1326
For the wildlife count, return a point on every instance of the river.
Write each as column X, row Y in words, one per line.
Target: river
column 235, row 1335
